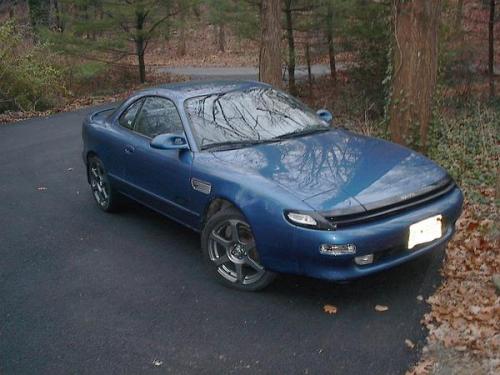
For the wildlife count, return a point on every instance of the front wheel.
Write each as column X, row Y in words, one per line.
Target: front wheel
column 229, row 249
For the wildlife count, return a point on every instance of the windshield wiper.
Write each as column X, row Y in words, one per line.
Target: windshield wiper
column 228, row 145
column 299, row 133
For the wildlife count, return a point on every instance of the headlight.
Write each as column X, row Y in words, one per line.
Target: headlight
column 308, row 219
column 302, row 219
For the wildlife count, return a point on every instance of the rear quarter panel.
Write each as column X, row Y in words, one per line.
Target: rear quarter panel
column 100, row 138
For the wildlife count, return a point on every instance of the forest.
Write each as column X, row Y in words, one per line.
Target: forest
column 422, row 73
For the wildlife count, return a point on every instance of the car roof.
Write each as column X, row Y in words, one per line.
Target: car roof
column 190, row 89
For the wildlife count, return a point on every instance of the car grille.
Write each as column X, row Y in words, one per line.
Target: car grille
column 391, row 209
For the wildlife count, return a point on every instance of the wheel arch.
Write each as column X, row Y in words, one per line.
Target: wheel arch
column 216, row 204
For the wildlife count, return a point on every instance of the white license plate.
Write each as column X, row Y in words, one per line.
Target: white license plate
column 425, row 231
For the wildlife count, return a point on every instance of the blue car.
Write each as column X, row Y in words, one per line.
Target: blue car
column 270, row 184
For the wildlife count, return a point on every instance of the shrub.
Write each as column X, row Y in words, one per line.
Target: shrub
column 29, row 79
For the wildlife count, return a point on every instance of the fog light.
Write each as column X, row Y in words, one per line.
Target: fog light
column 364, row 259
column 329, row 249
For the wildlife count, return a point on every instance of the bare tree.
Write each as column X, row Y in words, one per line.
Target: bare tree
column 181, row 43
column 497, row 189
column 221, row 39
column 308, row 62
column 415, row 63
column 291, row 47
column 330, row 40
column 270, row 49
column 491, row 49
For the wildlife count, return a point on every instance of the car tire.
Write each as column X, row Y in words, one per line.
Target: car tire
column 106, row 197
column 229, row 249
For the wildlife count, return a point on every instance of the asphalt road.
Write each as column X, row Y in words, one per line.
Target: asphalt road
column 244, row 72
column 84, row 292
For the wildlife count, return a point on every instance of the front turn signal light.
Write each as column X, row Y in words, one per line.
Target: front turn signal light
column 364, row 260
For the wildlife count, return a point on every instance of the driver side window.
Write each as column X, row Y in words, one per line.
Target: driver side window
column 158, row 116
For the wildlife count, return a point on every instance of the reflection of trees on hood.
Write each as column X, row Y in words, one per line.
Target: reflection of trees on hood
column 315, row 164
column 338, row 166
column 307, row 166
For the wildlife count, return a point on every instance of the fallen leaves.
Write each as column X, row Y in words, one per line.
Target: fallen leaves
column 409, row 343
column 381, row 308
column 157, row 363
column 423, row 367
column 465, row 310
column 330, row 309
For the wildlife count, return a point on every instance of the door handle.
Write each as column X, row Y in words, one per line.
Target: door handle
column 129, row 149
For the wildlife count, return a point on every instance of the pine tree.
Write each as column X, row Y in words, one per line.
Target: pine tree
column 113, row 27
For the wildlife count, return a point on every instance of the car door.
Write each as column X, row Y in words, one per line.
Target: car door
column 118, row 143
column 160, row 178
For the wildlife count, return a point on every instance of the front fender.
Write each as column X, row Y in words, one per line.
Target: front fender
column 262, row 203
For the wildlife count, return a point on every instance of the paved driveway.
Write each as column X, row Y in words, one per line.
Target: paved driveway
column 84, row 292
column 249, row 73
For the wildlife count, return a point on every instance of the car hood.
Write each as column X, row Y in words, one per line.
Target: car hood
column 340, row 171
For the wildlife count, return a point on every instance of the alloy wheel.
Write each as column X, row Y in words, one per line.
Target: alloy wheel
column 232, row 249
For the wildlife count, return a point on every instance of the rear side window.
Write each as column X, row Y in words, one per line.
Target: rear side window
column 127, row 118
column 158, row 116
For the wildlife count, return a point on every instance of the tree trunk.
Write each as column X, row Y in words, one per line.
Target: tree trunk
column 308, row 62
column 181, row 46
column 53, row 24
column 222, row 38
column 459, row 10
column 140, row 46
column 140, row 60
column 270, row 49
column 291, row 47
column 331, row 46
column 11, row 10
column 491, row 49
column 58, row 16
column 415, row 63
column 497, row 188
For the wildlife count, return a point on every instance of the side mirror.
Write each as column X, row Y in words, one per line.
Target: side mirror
column 169, row 142
column 325, row 115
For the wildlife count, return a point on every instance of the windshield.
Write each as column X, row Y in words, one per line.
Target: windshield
column 248, row 117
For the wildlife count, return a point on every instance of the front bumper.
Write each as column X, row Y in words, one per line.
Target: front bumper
column 386, row 238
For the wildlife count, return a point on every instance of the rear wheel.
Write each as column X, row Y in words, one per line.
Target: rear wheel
column 229, row 248
column 104, row 194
